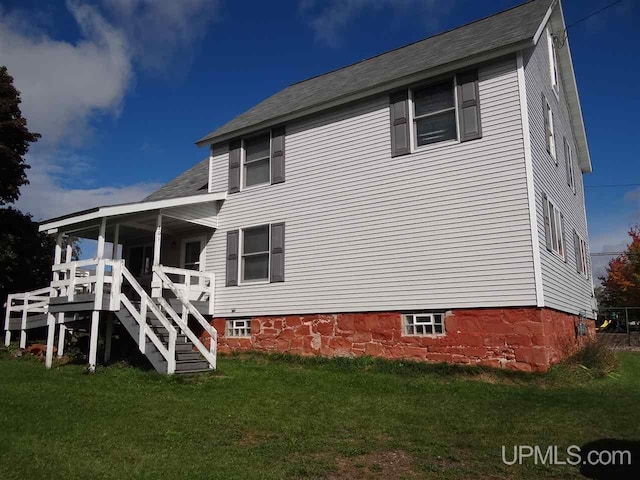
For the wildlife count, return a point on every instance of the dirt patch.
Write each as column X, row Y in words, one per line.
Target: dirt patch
column 395, row 464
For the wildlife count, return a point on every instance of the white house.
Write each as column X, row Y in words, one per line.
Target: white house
column 426, row 203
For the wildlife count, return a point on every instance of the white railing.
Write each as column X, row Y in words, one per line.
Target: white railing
column 36, row 301
column 75, row 278
column 140, row 315
column 188, row 308
column 199, row 286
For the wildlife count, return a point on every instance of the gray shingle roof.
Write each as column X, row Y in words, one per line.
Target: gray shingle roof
column 185, row 184
column 501, row 30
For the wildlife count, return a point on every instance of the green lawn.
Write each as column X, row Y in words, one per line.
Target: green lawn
column 273, row 417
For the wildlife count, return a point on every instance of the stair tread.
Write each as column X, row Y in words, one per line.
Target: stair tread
column 199, row 360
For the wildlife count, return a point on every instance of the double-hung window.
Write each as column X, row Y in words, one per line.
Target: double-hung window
column 255, row 253
column 571, row 180
column 257, row 160
column 424, row 324
column 553, row 63
column 549, row 130
column 582, row 260
column 434, row 113
column 554, row 226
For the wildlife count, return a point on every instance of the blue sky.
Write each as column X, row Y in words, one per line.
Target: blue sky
column 121, row 89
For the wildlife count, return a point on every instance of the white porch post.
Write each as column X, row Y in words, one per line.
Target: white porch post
column 23, row 323
column 107, row 340
column 156, row 285
column 51, row 318
column 115, row 254
column 62, row 333
column 101, row 236
column 100, row 267
column 51, row 333
column 7, row 332
column 93, row 342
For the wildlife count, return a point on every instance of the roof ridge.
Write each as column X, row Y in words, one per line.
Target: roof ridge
column 412, row 43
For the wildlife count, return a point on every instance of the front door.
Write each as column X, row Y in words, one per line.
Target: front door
column 192, row 258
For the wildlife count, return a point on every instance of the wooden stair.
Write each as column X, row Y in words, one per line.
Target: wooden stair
column 188, row 359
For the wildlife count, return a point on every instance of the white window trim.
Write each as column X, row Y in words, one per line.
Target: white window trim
column 432, row 322
column 243, row 157
column 572, row 173
column 552, row 139
column 553, row 65
column 412, row 127
column 231, row 327
column 559, row 224
column 241, row 280
column 584, row 256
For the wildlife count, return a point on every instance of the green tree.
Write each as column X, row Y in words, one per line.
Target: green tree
column 15, row 138
column 25, row 254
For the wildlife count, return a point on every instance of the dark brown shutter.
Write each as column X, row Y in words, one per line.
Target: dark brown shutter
column 235, row 150
column 547, row 129
column 547, row 221
column 576, row 243
column 469, row 106
column 277, row 155
column 399, row 108
column 232, row 258
column 277, row 252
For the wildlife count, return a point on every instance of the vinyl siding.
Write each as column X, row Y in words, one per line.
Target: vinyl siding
column 445, row 227
column 563, row 287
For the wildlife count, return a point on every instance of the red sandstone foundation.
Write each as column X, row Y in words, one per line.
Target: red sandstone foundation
column 525, row 339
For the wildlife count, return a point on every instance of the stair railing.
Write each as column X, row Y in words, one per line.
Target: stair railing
column 147, row 304
column 182, row 322
column 36, row 301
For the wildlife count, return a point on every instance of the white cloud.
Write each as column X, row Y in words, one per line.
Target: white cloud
column 162, row 32
column 46, row 197
column 330, row 18
column 63, row 84
column 66, row 85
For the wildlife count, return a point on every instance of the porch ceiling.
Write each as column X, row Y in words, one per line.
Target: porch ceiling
column 180, row 215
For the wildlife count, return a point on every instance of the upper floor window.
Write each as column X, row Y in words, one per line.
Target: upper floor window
column 568, row 155
column 554, row 227
column 257, row 160
column 434, row 113
column 553, row 62
column 548, row 128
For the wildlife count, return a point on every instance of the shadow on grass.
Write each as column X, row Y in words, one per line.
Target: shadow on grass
column 396, row 367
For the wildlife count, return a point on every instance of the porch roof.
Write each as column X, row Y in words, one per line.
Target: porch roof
column 90, row 215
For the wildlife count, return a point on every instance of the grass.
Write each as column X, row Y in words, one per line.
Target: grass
column 286, row 417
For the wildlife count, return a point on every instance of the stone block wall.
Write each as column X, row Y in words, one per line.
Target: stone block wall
column 526, row 339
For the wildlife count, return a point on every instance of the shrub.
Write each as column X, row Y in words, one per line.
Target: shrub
column 596, row 357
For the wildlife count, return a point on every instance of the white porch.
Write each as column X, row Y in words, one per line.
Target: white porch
column 153, row 282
